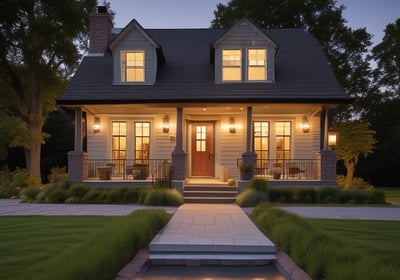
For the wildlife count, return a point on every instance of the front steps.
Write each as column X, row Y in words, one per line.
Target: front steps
column 209, row 194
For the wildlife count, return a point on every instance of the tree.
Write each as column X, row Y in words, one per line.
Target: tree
column 354, row 139
column 40, row 46
column 387, row 56
column 345, row 48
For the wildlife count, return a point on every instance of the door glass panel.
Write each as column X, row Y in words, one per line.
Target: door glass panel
column 201, row 138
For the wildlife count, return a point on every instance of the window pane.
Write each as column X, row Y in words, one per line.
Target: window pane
column 256, row 74
column 231, row 65
column 256, row 64
column 231, row 74
column 134, row 63
column 257, row 57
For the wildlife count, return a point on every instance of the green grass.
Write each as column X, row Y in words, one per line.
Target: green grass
column 392, row 194
column 27, row 241
column 375, row 238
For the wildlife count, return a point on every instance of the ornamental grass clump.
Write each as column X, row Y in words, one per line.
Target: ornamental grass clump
column 319, row 253
column 251, row 198
column 168, row 197
column 105, row 252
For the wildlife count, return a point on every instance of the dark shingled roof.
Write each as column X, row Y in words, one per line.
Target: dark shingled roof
column 302, row 74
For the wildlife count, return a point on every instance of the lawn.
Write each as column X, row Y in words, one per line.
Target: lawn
column 392, row 194
column 377, row 238
column 27, row 241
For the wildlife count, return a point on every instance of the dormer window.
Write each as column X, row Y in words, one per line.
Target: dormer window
column 132, row 65
column 256, row 64
column 231, row 65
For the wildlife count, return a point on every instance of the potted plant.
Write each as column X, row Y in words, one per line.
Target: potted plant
column 276, row 172
column 246, row 171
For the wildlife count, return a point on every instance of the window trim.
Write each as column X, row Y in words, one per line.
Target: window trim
column 223, row 66
column 125, row 67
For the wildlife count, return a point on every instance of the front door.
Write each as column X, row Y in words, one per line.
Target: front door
column 202, row 149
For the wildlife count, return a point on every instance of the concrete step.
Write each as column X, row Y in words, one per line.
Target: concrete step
column 209, row 194
column 196, row 259
column 196, row 199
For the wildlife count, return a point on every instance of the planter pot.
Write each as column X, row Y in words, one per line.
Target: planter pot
column 104, row 173
column 276, row 176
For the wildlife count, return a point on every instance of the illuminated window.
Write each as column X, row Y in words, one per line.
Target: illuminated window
column 118, row 140
column 256, row 62
column 142, row 141
column 283, row 139
column 133, row 66
column 261, row 142
column 201, row 138
column 231, row 65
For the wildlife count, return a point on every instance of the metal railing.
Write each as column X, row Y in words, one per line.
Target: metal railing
column 129, row 169
column 287, row 169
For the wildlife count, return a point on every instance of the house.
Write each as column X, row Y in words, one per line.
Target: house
column 152, row 104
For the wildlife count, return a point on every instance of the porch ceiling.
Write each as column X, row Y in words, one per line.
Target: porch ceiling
column 127, row 109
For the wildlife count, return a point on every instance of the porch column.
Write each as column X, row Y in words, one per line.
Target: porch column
column 324, row 129
column 327, row 167
column 249, row 156
column 178, row 155
column 77, row 158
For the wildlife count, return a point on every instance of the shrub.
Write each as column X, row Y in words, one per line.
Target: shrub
column 328, row 195
column 258, row 184
column 124, row 195
column 353, row 196
column 305, row 195
column 58, row 177
column 357, row 183
column 77, row 191
column 376, row 196
column 232, row 182
column 12, row 183
column 56, row 195
column 95, row 196
column 29, row 194
column 251, row 198
column 283, row 195
column 163, row 197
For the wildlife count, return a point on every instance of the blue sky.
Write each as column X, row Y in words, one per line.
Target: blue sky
column 372, row 14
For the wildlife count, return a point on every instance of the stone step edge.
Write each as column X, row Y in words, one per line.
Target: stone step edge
column 171, row 249
column 219, row 257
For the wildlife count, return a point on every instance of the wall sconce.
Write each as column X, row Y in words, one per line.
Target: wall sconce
column 305, row 125
column 96, row 125
column 165, row 124
column 232, row 126
column 332, row 138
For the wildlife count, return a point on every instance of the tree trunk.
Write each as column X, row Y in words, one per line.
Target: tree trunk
column 349, row 178
column 35, row 126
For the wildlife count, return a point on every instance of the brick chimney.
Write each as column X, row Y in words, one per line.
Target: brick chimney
column 100, row 29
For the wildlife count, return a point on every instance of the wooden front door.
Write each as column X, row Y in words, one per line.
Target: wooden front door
column 202, row 149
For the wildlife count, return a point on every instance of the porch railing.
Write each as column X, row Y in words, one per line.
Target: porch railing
column 287, row 169
column 129, row 169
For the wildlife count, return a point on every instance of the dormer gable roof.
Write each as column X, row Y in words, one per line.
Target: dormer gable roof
column 134, row 25
column 245, row 22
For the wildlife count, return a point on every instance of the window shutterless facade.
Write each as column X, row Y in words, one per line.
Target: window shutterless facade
column 142, row 141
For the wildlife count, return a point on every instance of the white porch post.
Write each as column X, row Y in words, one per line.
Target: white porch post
column 178, row 155
column 77, row 158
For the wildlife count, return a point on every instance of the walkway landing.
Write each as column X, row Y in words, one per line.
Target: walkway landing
column 204, row 234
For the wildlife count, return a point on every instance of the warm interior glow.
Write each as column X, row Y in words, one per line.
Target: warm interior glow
column 135, row 66
column 231, row 65
column 257, row 64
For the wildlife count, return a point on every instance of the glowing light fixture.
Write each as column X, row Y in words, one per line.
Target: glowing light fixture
column 332, row 138
column 96, row 125
column 232, row 126
column 165, row 124
column 305, row 125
